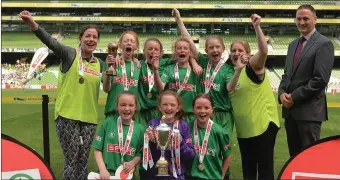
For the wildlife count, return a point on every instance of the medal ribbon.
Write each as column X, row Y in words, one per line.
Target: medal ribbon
column 124, row 149
column 125, row 78
column 202, row 151
column 151, row 81
column 178, row 83
column 81, row 65
column 209, row 81
column 147, row 158
column 175, row 144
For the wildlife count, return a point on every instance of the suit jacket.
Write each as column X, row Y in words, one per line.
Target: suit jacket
column 306, row 83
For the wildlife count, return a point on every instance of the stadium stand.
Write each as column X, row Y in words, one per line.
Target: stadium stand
column 230, row 20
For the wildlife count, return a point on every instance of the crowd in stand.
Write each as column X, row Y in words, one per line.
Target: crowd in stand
column 16, row 73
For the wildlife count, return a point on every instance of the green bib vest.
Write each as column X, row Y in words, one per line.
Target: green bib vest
column 254, row 106
column 79, row 101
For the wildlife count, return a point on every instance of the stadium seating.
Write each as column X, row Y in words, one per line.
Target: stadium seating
column 29, row 40
column 295, row 2
column 274, row 79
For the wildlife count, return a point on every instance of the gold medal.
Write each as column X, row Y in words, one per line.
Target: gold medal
column 149, row 95
column 200, row 166
column 81, row 80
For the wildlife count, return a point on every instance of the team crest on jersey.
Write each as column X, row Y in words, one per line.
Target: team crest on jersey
column 111, row 135
column 98, row 138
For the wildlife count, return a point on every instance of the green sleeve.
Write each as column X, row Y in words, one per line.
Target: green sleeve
column 224, row 143
column 98, row 142
column 164, row 63
column 139, row 149
column 104, row 69
column 229, row 74
column 202, row 60
column 165, row 77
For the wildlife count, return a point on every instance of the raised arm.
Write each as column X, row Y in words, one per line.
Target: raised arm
column 184, row 32
column 66, row 54
column 240, row 64
column 258, row 61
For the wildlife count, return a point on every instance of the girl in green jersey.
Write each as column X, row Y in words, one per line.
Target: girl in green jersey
column 215, row 77
column 148, row 93
column 127, row 73
column 180, row 76
column 212, row 144
column 119, row 141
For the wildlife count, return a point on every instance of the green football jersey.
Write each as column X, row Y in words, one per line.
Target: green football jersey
column 218, row 89
column 106, row 141
column 144, row 99
column 117, row 85
column 190, row 89
column 218, row 148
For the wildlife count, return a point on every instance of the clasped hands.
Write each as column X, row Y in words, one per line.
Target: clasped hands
column 286, row 100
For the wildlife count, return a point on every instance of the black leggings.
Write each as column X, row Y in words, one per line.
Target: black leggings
column 257, row 154
column 75, row 149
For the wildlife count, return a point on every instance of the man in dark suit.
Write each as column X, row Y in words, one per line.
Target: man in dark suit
column 307, row 71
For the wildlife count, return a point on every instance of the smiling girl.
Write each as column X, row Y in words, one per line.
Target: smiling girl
column 171, row 108
column 212, row 144
column 119, row 141
column 180, row 77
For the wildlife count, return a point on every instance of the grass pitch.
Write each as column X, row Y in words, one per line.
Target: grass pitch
column 23, row 121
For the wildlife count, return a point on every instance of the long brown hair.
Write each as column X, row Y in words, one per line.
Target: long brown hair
column 84, row 28
column 180, row 114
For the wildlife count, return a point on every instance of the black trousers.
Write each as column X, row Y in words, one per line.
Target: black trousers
column 75, row 138
column 300, row 134
column 257, row 154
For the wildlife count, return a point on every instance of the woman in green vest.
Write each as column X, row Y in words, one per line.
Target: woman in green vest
column 76, row 108
column 128, row 73
column 255, row 108
column 215, row 77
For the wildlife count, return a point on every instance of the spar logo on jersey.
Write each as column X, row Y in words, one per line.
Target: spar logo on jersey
column 213, row 86
column 186, row 87
column 115, row 149
column 120, row 80
column 210, row 152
